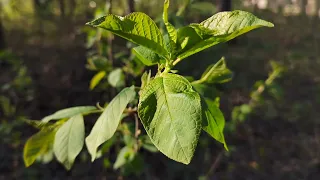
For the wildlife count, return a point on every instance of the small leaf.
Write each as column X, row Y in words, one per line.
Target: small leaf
column 213, row 121
column 170, row 111
column 170, row 28
column 219, row 28
column 38, row 144
column 96, row 79
column 69, row 112
column 109, row 120
column 36, row 124
column 145, row 79
column 136, row 27
column 125, row 155
column 116, row 78
column 146, row 56
column 216, row 73
column 69, row 141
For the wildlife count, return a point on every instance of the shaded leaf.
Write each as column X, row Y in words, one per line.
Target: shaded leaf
column 109, row 120
column 146, row 56
column 37, row 145
column 213, row 121
column 216, row 73
column 125, row 155
column 170, row 111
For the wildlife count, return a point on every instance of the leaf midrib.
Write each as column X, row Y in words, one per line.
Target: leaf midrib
column 166, row 101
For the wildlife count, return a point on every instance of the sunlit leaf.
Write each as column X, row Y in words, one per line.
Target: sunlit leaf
column 170, row 111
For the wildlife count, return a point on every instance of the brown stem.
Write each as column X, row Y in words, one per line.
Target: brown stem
column 215, row 164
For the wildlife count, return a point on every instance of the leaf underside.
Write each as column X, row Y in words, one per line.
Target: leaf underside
column 107, row 123
column 69, row 141
column 170, row 111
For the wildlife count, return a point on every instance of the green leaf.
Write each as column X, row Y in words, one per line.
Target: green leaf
column 170, row 111
column 36, row 124
column 213, row 121
column 207, row 90
column 146, row 56
column 145, row 79
column 136, row 27
column 216, row 73
column 109, row 120
column 96, row 79
column 38, row 144
column 116, row 78
column 170, row 28
column 69, row 112
column 221, row 27
column 125, row 155
column 69, row 141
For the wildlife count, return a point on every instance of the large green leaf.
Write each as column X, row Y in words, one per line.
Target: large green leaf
column 109, row 120
column 219, row 28
column 38, row 145
column 170, row 111
column 69, row 112
column 69, row 141
column 136, row 27
column 216, row 73
column 213, row 120
column 146, row 56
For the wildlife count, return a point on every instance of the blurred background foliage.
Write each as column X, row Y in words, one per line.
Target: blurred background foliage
column 49, row 60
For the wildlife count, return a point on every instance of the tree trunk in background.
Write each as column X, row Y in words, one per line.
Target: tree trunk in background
column 62, row 8
column 224, row 5
column 303, row 5
column 130, row 6
column 2, row 40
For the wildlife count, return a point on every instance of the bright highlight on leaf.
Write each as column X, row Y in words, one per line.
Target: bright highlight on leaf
column 136, row 27
column 96, row 79
column 107, row 123
column 170, row 111
column 219, row 28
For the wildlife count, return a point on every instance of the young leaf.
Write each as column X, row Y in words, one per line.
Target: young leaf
column 213, row 121
column 38, row 144
column 216, row 73
column 170, row 111
column 116, row 78
column 69, row 141
column 146, row 56
column 145, row 79
column 109, row 120
column 96, row 79
column 136, row 27
column 170, row 28
column 69, row 112
column 221, row 27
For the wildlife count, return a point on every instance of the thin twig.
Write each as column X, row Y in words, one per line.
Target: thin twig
column 137, row 131
column 215, row 164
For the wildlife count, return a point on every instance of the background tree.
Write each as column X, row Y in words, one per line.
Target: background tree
column 224, row 5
